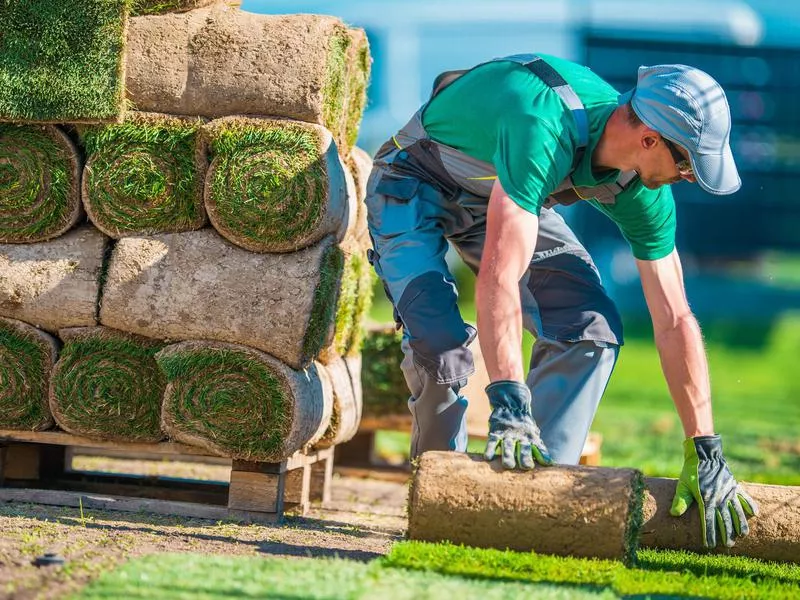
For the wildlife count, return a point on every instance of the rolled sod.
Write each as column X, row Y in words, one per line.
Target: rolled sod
column 62, row 62
column 160, row 7
column 774, row 532
column 569, row 511
column 359, row 66
column 106, row 385
column 39, row 183
column 238, row 402
column 54, row 284
column 145, row 175
column 27, row 356
column 196, row 285
column 360, row 165
column 274, row 185
column 344, row 374
column 217, row 62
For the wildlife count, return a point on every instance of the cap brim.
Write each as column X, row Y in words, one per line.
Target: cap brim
column 716, row 173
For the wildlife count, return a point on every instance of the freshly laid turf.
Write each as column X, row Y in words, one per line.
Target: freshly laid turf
column 195, row 577
column 39, row 175
column 107, row 385
column 659, row 573
column 62, row 61
column 145, row 176
column 271, row 183
column 26, row 361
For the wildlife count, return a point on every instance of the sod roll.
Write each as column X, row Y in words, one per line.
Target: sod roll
column 53, row 284
column 145, row 176
column 360, row 165
column 27, row 356
column 274, row 185
column 216, row 62
column 39, row 183
column 106, row 385
column 346, row 406
column 160, row 7
column 196, row 285
column 238, row 402
column 62, row 61
column 570, row 511
column 774, row 533
column 359, row 66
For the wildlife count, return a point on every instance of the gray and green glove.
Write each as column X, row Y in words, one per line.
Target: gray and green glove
column 722, row 502
column 512, row 426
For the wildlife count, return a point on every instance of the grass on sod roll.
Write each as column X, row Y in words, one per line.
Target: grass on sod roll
column 160, row 7
column 107, row 385
column 334, row 91
column 322, row 310
column 659, row 573
column 228, row 397
column 62, row 61
column 37, row 182
column 346, row 317
column 25, row 365
column 145, row 176
column 357, row 93
column 268, row 182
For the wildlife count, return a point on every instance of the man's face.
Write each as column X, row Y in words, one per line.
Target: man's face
column 664, row 163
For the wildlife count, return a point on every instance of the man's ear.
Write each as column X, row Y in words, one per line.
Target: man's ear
column 650, row 139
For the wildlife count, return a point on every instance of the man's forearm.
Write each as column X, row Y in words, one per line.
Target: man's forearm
column 500, row 327
column 683, row 360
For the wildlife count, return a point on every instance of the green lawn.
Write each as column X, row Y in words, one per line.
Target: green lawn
column 756, row 395
column 418, row 570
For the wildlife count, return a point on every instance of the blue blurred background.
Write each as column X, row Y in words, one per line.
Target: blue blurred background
column 741, row 253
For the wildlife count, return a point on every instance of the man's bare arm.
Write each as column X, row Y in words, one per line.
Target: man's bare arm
column 511, row 234
column 679, row 342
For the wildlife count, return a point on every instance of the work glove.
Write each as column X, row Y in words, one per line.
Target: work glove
column 722, row 502
column 512, row 426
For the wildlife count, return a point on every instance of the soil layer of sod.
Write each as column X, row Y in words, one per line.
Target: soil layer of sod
column 27, row 356
column 39, row 179
column 71, row 69
column 239, row 402
column 107, row 385
column 145, row 176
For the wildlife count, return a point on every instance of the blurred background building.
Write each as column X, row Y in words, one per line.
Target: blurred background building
column 741, row 253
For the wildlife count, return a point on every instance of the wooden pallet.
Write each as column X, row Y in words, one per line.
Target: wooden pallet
column 36, row 467
column 359, row 453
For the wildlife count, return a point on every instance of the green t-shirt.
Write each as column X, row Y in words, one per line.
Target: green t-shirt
column 502, row 113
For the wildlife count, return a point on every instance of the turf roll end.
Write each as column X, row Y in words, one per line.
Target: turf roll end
column 274, row 185
column 27, row 356
column 106, row 385
column 145, row 175
column 39, row 183
column 238, row 402
column 568, row 511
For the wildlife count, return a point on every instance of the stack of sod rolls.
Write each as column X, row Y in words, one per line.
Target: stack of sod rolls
column 187, row 261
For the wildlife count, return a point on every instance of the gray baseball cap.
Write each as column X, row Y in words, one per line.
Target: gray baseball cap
column 688, row 107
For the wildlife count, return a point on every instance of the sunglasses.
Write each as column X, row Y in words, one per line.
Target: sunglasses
column 682, row 163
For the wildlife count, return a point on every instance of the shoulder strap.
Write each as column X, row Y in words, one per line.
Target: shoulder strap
column 551, row 78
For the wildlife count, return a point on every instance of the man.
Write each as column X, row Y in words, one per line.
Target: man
column 480, row 165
